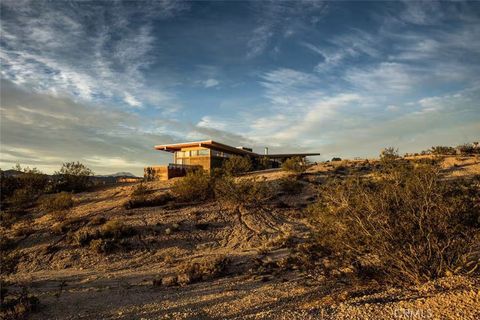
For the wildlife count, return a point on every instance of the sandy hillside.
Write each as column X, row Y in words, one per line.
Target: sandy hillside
column 135, row 281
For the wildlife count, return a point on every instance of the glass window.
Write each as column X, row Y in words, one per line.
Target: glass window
column 203, row 152
column 179, row 161
column 194, row 153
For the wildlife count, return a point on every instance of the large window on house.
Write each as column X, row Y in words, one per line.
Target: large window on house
column 192, row 153
column 220, row 154
column 203, row 152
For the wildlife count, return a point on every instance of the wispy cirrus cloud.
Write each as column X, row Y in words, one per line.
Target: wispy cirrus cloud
column 281, row 18
column 89, row 51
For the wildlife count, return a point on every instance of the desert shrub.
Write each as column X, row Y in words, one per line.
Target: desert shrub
column 21, row 191
column 104, row 246
column 443, row 150
column 264, row 163
column 196, row 185
column 8, row 185
column 237, row 165
column 10, row 261
column 112, row 230
column 23, row 229
column 7, row 244
column 336, row 159
column 291, row 185
column 59, row 228
column 419, row 226
column 83, row 238
column 73, row 177
column 16, row 305
column 202, row 269
column 22, row 198
column 140, row 190
column 116, row 229
column 97, row 221
column 341, row 170
column 58, row 202
column 389, row 154
column 245, row 192
column 141, row 201
column 468, row 149
column 8, row 217
column 295, row 164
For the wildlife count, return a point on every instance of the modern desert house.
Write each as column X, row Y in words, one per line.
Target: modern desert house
column 209, row 155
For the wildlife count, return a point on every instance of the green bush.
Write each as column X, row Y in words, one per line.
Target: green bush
column 417, row 224
column 468, row 149
column 22, row 198
column 21, row 191
column 443, row 150
column 264, row 163
column 389, row 154
column 295, row 164
column 73, row 177
column 244, row 192
column 195, row 186
column 237, row 165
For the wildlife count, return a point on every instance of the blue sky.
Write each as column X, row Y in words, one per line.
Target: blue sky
column 102, row 82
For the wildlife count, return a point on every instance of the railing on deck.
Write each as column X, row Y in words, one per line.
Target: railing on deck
column 182, row 166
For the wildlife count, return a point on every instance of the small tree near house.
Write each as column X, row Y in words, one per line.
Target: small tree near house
column 73, row 177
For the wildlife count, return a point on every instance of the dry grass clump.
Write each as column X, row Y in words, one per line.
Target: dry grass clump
column 103, row 245
column 22, row 198
column 9, row 258
column 57, row 202
column 295, row 164
column 141, row 201
column 195, row 186
column 248, row 192
column 97, row 221
column 141, row 198
column 116, row 229
column 140, row 190
column 110, row 236
column 201, row 269
column 291, row 185
column 419, row 225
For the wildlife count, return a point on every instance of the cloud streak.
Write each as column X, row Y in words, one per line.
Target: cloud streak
column 89, row 51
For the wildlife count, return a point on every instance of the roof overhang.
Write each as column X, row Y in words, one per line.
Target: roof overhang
column 209, row 144
column 290, row 155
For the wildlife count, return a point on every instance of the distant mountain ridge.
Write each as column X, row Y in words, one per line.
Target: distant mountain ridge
column 13, row 172
column 118, row 174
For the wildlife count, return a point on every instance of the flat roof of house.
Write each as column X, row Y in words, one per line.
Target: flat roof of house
column 210, row 144
column 290, row 155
